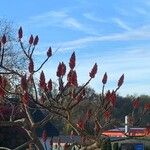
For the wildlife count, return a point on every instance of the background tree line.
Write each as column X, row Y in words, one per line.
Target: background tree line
column 123, row 107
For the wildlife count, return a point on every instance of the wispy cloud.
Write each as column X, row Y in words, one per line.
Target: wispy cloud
column 60, row 19
column 92, row 17
column 121, row 24
column 141, row 11
column 135, row 34
column 142, row 33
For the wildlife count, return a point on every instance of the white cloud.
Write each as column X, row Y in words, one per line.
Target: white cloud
column 94, row 18
column 59, row 19
column 142, row 33
column 122, row 24
column 135, row 34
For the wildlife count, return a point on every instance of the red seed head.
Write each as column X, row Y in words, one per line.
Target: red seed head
column 36, row 40
column 49, row 52
column 49, row 85
column 20, row 33
column 120, row 81
column 93, row 71
column 61, row 70
column 31, row 39
column 81, row 124
column 136, row 103
column 72, row 61
column 106, row 115
column 111, row 97
column 24, row 83
column 25, row 98
column 147, row 106
column 42, row 81
column 104, row 80
column 72, row 78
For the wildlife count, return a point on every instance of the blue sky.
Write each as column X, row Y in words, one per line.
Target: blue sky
column 114, row 33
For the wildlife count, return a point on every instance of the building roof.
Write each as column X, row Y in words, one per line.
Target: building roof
column 123, row 129
column 120, row 132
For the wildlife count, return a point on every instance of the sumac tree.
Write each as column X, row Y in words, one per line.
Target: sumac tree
column 62, row 104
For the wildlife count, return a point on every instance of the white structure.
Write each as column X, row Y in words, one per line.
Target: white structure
column 126, row 124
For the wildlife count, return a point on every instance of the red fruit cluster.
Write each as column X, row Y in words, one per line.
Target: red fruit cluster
column 49, row 85
column 120, row 81
column 106, row 115
column 24, row 83
column 36, row 40
column 104, row 80
column 136, row 103
column 111, row 97
column 72, row 61
column 42, row 81
column 72, row 78
column 93, row 71
column 49, row 52
column 20, row 33
column 81, row 124
column 25, row 98
column 31, row 39
column 147, row 106
column 30, row 79
column 61, row 70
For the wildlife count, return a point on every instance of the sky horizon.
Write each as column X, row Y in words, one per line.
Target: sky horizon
column 115, row 34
